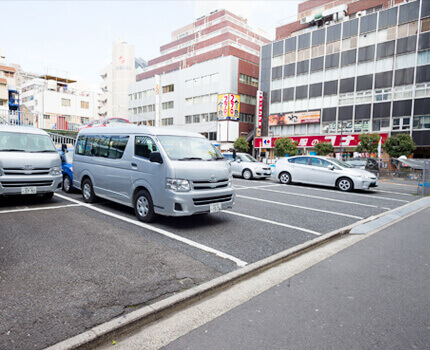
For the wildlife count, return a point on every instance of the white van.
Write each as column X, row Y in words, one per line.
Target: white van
column 29, row 162
column 154, row 170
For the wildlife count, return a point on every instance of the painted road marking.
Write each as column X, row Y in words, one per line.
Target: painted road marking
column 310, row 196
column 40, row 208
column 273, row 222
column 394, row 183
column 399, row 193
column 299, row 206
column 159, row 230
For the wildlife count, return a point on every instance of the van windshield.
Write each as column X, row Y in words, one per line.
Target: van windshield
column 189, row 148
column 23, row 142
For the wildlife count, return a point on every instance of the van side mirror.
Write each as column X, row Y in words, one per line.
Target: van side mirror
column 155, row 157
column 330, row 167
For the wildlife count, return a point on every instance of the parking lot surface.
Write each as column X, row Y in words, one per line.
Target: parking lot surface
column 66, row 266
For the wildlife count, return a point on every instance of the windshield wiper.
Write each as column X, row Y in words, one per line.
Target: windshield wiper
column 190, row 158
column 11, row 150
column 44, row 151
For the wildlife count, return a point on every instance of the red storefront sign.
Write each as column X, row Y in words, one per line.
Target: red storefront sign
column 311, row 141
column 260, row 109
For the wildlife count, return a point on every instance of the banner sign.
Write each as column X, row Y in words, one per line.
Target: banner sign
column 311, row 141
column 259, row 109
column 294, row 118
column 228, row 107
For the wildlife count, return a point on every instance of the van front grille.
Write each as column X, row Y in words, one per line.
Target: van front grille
column 21, row 171
column 207, row 185
column 25, row 183
column 210, row 200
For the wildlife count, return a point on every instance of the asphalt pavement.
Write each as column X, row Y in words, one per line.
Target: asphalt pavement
column 66, row 266
column 372, row 295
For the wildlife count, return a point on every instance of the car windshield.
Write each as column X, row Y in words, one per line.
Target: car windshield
column 356, row 162
column 189, row 148
column 23, row 142
column 68, row 157
column 247, row 158
column 340, row 163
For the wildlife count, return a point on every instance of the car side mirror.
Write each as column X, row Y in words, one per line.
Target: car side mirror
column 238, row 160
column 331, row 167
column 155, row 157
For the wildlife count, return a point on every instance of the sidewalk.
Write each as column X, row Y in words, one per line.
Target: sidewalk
column 374, row 294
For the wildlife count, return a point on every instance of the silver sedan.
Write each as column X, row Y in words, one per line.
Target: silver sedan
column 323, row 171
column 247, row 166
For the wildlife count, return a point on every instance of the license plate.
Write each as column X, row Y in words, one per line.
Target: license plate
column 28, row 190
column 215, row 208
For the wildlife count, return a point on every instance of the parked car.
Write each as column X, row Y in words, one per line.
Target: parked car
column 66, row 155
column 368, row 164
column 323, row 171
column 90, row 124
column 154, row 170
column 247, row 166
column 29, row 162
column 105, row 122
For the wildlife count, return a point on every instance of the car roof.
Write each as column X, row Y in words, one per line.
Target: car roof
column 134, row 129
column 22, row 129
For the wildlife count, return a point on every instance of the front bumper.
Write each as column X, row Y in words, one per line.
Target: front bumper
column 365, row 184
column 195, row 201
column 260, row 173
column 12, row 185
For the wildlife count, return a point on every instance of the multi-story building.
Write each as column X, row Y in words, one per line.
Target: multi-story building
column 9, row 97
column 217, row 54
column 60, row 103
column 346, row 67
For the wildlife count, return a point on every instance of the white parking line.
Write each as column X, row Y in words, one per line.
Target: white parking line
column 273, row 222
column 263, row 188
column 40, row 208
column 160, row 231
column 399, row 193
column 246, row 187
column 300, row 207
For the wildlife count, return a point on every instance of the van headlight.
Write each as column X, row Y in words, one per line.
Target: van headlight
column 56, row 170
column 178, row 185
column 1, row 172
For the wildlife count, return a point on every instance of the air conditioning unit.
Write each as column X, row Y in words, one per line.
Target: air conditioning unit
column 303, row 20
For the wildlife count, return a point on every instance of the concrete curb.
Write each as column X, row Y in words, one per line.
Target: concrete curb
column 127, row 323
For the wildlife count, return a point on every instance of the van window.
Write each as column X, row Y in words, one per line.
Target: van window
column 143, row 146
column 80, row 145
column 91, row 146
column 102, row 146
column 117, row 146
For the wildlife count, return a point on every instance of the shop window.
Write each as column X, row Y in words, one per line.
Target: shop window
column 361, row 126
column 421, row 122
column 345, row 126
column 329, row 127
column 381, row 124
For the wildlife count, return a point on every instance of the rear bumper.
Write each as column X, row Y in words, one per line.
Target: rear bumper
column 12, row 185
column 196, row 201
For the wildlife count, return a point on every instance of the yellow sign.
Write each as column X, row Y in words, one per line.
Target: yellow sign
column 228, row 107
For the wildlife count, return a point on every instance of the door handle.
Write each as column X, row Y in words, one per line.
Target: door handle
column 133, row 164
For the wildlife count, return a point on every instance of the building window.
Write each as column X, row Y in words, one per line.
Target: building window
column 167, row 121
column 167, row 105
column 188, row 119
column 381, row 124
column 84, row 120
column 364, row 96
column 168, row 88
column 362, row 126
column 65, row 102
column 382, row 95
column 402, row 92
column 212, row 116
column 248, row 80
column 403, row 123
column 422, row 90
column 346, row 99
column 85, row 105
column 422, row 122
column 46, row 116
column 196, row 118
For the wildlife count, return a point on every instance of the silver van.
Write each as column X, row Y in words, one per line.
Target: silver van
column 29, row 162
column 154, row 170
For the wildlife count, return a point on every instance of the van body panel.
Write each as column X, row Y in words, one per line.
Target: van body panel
column 118, row 179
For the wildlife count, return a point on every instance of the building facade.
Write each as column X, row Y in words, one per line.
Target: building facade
column 217, row 54
column 117, row 77
column 348, row 67
column 9, row 97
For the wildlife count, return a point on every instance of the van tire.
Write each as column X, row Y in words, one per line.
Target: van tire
column 88, row 191
column 143, row 206
column 247, row 174
column 285, row 178
column 48, row 195
column 67, row 184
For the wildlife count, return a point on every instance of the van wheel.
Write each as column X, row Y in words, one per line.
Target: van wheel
column 67, row 184
column 344, row 184
column 247, row 174
column 88, row 191
column 143, row 206
column 285, row 178
column 48, row 195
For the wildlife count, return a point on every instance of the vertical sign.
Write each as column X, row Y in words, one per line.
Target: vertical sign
column 228, row 107
column 157, row 99
column 259, row 112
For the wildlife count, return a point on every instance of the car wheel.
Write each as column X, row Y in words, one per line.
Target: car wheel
column 344, row 184
column 48, row 195
column 143, row 206
column 67, row 184
column 88, row 191
column 285, row 178
column 247, row 174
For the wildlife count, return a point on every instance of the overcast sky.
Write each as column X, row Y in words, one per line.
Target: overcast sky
column 75, row 38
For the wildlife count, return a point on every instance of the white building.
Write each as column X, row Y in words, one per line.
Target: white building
column 60, row 103
column 117, row 76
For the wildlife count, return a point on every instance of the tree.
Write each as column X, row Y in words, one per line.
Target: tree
column 368, row 143
column 324, row 148
column 399, row 145
column 241, row 145
column 285, row 146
